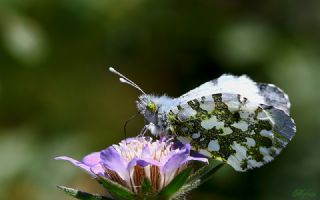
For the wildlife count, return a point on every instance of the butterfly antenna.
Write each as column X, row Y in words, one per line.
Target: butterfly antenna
column 124, row 79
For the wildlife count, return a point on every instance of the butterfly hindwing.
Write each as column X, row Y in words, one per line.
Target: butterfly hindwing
column 229, row 127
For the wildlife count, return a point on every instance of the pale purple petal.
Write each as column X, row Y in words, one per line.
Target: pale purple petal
column 133, row 163
column 79, row 164
column 177, row 160
column 145, row 159
column 92, row 159
column 142, row 162
column 146, row 151
column 98, row 169
column 148, row 157
column 111, row 159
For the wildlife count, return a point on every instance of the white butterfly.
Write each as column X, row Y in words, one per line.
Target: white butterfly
column 232, row 118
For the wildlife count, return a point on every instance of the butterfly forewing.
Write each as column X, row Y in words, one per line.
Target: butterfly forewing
column 229, row 127
column 274, row 96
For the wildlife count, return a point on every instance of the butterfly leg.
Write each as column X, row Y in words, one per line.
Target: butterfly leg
column 145, row 129
column 151, row 127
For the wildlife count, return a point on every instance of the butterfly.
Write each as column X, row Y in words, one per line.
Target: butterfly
column 232, row 119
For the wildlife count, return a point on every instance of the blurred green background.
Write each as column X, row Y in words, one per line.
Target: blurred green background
column 57, row 97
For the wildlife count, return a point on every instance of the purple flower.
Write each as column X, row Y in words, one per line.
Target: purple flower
column 134, row 159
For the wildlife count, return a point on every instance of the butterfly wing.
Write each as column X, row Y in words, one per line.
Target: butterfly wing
column 231, row 127
column 274, row 96
column 226, row 83
column 261, row 93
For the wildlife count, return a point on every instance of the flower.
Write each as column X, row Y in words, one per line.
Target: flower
column 135, row 159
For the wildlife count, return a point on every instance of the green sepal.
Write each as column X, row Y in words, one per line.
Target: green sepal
column 146, row 186
column 116, row 190
column 82, row 195
column 200, row 176
column 175, row 185
column 204, row 173
column 146, row 189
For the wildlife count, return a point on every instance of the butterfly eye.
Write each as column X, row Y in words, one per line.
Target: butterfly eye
column 152, row 107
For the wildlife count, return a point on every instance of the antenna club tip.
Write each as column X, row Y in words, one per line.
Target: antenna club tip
column 111, row 69
column 123, row 80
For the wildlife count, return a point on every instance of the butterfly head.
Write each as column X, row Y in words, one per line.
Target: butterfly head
column 147, row 107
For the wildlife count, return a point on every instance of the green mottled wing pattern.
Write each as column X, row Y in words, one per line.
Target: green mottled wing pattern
column 230, row 128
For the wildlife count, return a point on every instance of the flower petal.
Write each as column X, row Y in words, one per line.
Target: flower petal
column 92, row 159
column 147, row 157
column 142, row 162
column 111, row 159
column 76, row 163
column 98, row 170
column 175, row 162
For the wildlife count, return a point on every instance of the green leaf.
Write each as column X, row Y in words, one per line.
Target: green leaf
column 117, row 190
column 204, row 173
column 175, row 185
column 81, row 195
